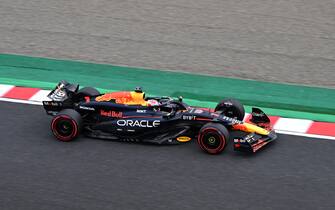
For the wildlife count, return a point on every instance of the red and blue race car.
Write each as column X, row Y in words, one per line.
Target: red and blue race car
column 131, row 116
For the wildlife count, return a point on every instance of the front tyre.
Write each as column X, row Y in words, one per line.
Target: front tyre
column 231, row 108
column 213, row 138
column 66, row 125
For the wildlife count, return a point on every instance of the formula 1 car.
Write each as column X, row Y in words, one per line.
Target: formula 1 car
column 131, row 116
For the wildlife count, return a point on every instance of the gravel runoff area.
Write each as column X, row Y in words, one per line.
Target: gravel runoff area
column 278, row 40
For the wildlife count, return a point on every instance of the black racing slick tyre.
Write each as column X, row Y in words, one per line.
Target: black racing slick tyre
column 231, row 108
column 66, row 125
column 88, row 91
column 213, row 138
column 85, row 92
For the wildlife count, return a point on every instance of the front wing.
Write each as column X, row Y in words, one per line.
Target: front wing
column 253, row 142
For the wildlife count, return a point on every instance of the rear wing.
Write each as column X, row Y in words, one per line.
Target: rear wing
column 60, row 97
column 63, row 91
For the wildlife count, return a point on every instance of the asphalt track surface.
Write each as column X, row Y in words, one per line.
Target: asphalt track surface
column 272, row 40
column 38, row 172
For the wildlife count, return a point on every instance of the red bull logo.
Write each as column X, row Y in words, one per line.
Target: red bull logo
column 111, row 114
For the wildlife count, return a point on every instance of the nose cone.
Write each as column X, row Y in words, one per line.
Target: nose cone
column 254, row 128
column 251, row 128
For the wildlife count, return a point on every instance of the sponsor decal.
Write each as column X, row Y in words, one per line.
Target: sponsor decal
column 141, row 111
column 184, row 139
column 138, row 123
column 188, row 117
column 234, row 121
column 258, row 114
column 198, row 111
column 111, row 114
column 239, row 140
column 250, row 138
column 228, row 103
column 86, row 108
column 52, row 103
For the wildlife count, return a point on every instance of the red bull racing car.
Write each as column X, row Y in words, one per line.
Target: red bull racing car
column 131, row 116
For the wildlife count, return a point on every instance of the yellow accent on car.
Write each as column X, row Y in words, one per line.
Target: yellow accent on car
column 137, row 98
column 184, row 139
column 254, row 128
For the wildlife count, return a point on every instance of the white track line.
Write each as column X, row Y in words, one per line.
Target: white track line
column 306, row 135
column 293, row 125
column 4, row 89
column 21, row 101
column 40, row 96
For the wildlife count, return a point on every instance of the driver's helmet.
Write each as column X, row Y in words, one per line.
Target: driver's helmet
column 152, row 102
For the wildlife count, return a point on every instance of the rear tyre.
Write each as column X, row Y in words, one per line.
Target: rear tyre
column 86, row 92
column 66, row 125
column 231, row 108
column 213, row 138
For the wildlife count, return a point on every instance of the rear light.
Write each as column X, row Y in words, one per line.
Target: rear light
column 237, row 145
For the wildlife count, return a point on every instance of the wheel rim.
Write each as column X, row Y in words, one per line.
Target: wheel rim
column 211, row 141
column 64, row 128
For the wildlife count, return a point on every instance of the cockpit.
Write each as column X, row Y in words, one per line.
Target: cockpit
column 137, row 97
